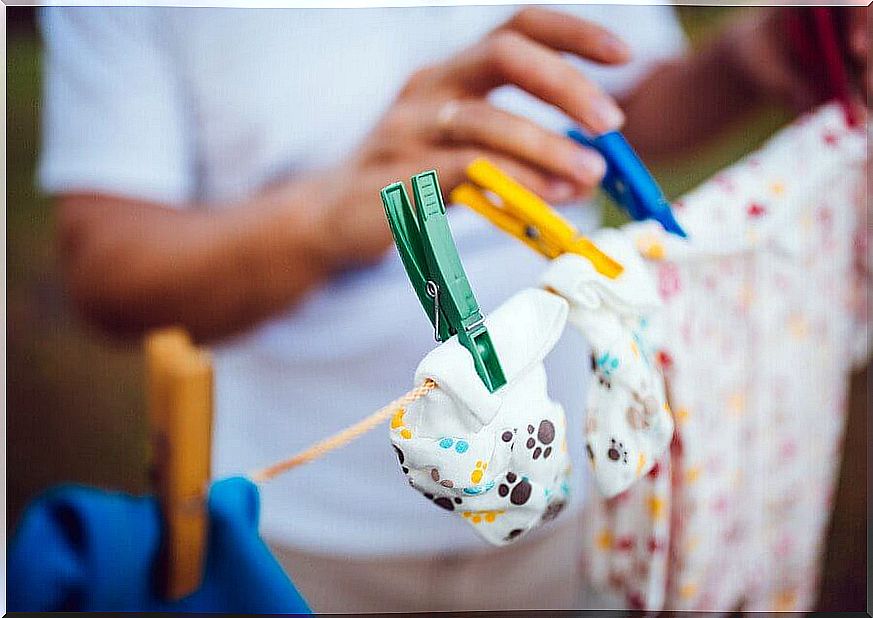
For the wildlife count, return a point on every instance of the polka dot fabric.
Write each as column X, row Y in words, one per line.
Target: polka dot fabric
column 763, row 317
column 497, row 460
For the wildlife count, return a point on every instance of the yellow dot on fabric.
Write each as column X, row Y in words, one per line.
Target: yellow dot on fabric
column 477, row 519
column 405, row 434
column 687, row 591
column 490, row 516
column 604, row 539
column 397, row 419
column 777, row 187
column 806, row 222
column 476, row 475
column 641, row 462
column 635, row 349
column 681, row 415
column 736, row 404
column 656, row 507
column 747, row 295
column 738, row 478
column 785, row 600
column 798, row 326
column 692, row 474
column 650, row 247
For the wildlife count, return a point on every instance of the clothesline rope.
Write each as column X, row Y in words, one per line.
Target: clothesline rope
column 345, row 436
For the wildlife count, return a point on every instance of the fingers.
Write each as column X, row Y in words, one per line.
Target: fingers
column 568, row 33
column 452, row 167
column 509, row 57
column 475, row 122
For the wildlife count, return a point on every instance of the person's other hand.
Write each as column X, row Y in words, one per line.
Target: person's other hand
column 764, row 53
column 860, row 23
column 442, row 119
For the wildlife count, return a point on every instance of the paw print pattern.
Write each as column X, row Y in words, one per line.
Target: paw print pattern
column 540, row 444
column 518, row 490
column 397, row 423
column 553, row 510
column 478, row 472
column 642, row 412
column 444, row 502
column 401, row 458
column 460, row 446
column 616, row 451
column 435, row 475
column 514, row 534
column 477, row 517
column 604, row 371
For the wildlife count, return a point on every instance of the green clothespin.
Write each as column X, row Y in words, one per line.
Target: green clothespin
column 430, row 256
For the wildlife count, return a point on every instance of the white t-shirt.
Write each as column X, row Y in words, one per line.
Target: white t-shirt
column 207, row 106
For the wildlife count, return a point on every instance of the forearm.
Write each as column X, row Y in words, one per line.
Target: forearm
column 688, row 101
column 132, row 266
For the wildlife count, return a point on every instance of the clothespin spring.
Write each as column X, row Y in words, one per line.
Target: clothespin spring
column 433, row 290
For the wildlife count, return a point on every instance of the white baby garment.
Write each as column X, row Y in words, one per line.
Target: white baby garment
column 499, row 460
column 628, row 423
column 760, row 336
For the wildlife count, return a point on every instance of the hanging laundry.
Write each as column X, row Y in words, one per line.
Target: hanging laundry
column 83, row 549
column 499, row 460
column 628, row 423
column 764, row 315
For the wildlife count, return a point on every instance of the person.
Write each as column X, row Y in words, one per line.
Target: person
column 220, row 169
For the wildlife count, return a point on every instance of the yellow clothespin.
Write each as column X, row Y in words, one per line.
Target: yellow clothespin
column 179, row 377
column 527, row 217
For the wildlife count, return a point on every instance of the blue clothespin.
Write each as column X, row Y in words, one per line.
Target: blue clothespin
column 431, row 259
column 628, row 182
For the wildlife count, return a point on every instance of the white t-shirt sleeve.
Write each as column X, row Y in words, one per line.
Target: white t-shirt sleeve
column 114, row 118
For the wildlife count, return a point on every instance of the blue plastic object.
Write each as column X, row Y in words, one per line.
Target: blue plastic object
column 87, row 550
column 628, row 182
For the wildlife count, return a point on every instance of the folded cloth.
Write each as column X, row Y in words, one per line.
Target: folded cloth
column 628, row 422
column 83, row 549
column 499, row 460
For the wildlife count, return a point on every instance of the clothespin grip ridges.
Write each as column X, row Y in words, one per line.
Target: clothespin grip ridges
column 431, row 259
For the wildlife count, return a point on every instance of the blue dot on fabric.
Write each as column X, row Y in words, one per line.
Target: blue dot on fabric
column 461, row 446
column 446, row 442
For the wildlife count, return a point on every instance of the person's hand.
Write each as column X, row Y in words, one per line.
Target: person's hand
column 860, row 23
column 441, row 119
column 762, row 50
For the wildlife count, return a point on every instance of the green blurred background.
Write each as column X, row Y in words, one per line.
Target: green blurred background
column 75, row 399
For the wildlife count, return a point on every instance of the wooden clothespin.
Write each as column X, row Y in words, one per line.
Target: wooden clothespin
column 521, row 213
column 431, row 259
column 180, row 418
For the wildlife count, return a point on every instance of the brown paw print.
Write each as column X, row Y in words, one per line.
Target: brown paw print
column 443, row 502
column 435, row 475
column 642, row 412
column 401, row 459
column 544, row 437
column 604, row 380
column 508, row 436
column 553, row 510
column 514, row 534
column 616, row 451
column 518, row 490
